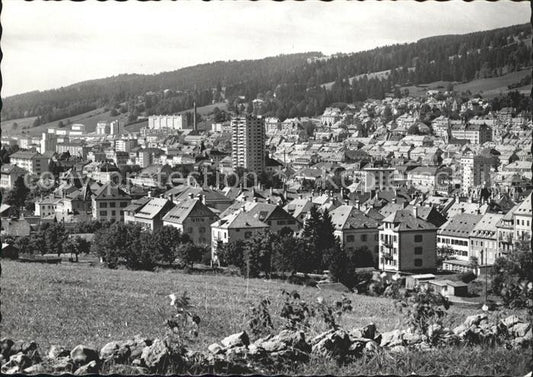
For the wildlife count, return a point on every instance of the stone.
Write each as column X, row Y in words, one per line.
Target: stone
column 237, row 351
column 357, row 348
column 61, row 365
column 5, row 347
column 136, row 346
column 11, row 370
column 474, row 320
column 460, row 330
column 18, row 361
column 82, row 355
column 423, row 346
column 391, row 338
column 510, row 321
column 155, row 355
column 520, row 330
column 116, row 351
column 56, row 351
column 236, row 340
column 35, row 369
column 368, row 332
column 90, row 368
column 215, row 348
column 434, row 330
column 255, row 350
column 371, row 347
column 334, row 344
column 285, row 339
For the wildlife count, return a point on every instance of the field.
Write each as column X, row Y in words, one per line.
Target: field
column 70, row 304
column 488, row 88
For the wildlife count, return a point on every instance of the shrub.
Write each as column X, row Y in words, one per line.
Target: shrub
column 467, row 277
column 260, row 321
column 422, row 307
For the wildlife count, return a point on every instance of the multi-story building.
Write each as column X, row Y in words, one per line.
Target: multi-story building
column 378, row 178
column 248, row 143
column 125, row 145
column 484, row 239
column 274, row 216
column 355, row 229
column 33, row 162
column 238, row 226
column 476, row 171
column 474, row 133
column 115, row 128
column 10, row 173
column 77, row 129
column 522, row 220
column 193, row 218
column 407, row 243
column 74, row 148
column 150, row 215
column 455, row 234
column 108, row 203
column 505, row 228
column 102, row 128
column 48, row 142
column 429, row 178
column 173, row 122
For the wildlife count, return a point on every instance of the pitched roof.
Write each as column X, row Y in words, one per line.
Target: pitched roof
column 110, row 191
column 524, row 209
column 486, row 227
column 460, row 225
column 153, row 208
column 348, row 217
column 239, row 220
column 189, row 207
column 405, row 220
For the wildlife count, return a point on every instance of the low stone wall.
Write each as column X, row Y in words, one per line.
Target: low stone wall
column 237, row 354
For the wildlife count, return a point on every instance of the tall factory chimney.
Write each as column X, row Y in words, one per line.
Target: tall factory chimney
column 194, row 125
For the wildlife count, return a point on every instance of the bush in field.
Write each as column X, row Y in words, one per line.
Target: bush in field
column 295, row 311
column 422, row 307
column 259, row 319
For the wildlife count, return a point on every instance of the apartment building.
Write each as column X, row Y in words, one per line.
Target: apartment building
column 33, row 162
column 248, row 143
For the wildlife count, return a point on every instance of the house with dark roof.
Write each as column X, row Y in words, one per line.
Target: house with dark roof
column 522, row 220
column 237, row 226
column 193, row 218
column 9, row 174
column 483, row 239
column 455, row 234
column 407, row 243
column 150, row 214
column 355, row 229
column 108, row 203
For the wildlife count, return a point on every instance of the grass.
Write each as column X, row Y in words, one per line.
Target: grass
column 488, row 88
column 71, row 304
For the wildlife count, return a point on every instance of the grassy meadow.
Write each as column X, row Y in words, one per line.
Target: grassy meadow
column 70, row 304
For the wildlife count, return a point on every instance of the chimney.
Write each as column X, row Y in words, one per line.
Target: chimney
column 462, row 209
column 347, row 202
column 415, row 211
column 357, row 204
column 300, row 196
column 191, row 195
column 150, row 194
column 254, row 199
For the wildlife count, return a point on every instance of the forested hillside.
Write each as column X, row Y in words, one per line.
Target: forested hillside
column 290, row 85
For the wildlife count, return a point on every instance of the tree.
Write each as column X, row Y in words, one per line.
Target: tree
column 513, row 276
column 190, row 253
column 231, row 253
column 76, row 246
column 54, row 236
column 18, row 194
column 166, row 242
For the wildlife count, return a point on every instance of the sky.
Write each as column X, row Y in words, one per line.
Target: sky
column 48, row 44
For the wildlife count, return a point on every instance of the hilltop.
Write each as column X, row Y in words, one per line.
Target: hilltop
column 291, row 85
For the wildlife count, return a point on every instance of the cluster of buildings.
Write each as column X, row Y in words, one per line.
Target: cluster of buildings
column 398, row 187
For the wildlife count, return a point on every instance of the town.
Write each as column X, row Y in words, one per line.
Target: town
column 409, row 185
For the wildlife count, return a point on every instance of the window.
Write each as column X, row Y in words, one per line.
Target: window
column 418, row 238
column 112, row 204
column 113, row 213
column 123, row 204
column 103, row 205
column 418, row 262
column 363, row 237
column 418, row 250
column 350, row 238
column 202, row 229
column 103, row 213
